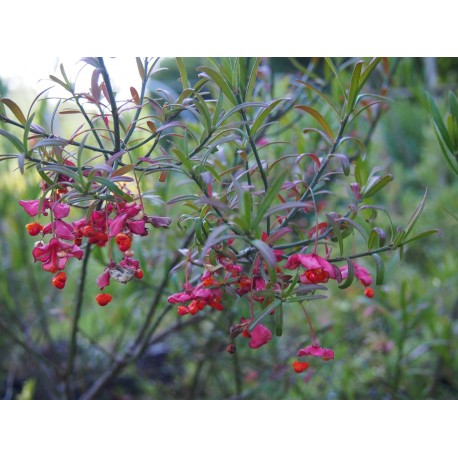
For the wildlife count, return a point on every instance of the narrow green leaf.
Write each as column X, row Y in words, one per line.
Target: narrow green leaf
column 45, row 177
column 236, row 75
column 182, row 198
column 364, row 108
column 287, row 206
column 375, row 186
column 141, row 69
column 183, row 158
column 401, row 252
column 350, row 275
column 52, row 141
column 310, row 289
column 220, row 139
column 221, row 82
column 215, row 203
column 263, row 114
column 218, row 108
column 244, row 201
column 265, row 250
column 289, row 290
column 378, row 208
column 25, row 138
column 183, row 73
column 413, row 219
column 79, row 162
column 326, row 99
column 14, row 140
column 439, row 123
column 237, row 108
column 113, row 188
column 336, row 232
column 336, row 74
column 202, row 107
column 380, row 269
column 368, row 71
column 242, row 70
column 320, row 132
column 452, row 130
column 216, row 236
column 269, row 197
column 421, row 236
column 20, row 160
column 453, row 104
column 264, row 313
column 354, row 87
column 377, row 238
column 58, row 81
column 447, row 155
column 344, row 162
column 399, row 238
column 357, row 226
column 357, row 173
column 314, row 297
column 5, row 157
column 14, row 109
column 265, row 293
column 209, row 168
column 62, row 70
column 252, row 78
column 198, row 231
column 63, row 170
column 323, row 123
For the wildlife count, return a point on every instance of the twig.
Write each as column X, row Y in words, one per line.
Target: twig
column 318, row 174
column 140, row 342
column 114, row 107
column 74, row 332
column 139, row 109
column 6, row 328
column 46, row 135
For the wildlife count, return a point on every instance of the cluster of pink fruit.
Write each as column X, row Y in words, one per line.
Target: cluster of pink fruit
column 209, row 292
column 118, row 220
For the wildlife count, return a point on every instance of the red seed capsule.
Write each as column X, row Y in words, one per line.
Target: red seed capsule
column 182, row 310
column 369, row 292
column 59, row 280
column 34, row 228
column 138, row 273
column 103, row 299
column 231, row 348
column 300, row 366
column 124, row 242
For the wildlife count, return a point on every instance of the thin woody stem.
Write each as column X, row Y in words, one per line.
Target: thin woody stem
column 141, row 340
column 74, row 331
column 139, row 109
column 114, row 107
column 388, row 247
column 45, row 135
column 315, row 341
column 258, row 161
column 318, row 174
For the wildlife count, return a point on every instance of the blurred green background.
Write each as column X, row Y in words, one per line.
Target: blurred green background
column 400, row 345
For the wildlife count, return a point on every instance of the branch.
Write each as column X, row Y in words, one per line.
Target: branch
column 46, row 135
column 74, row 333
column 140, row 343
column 114, row 107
